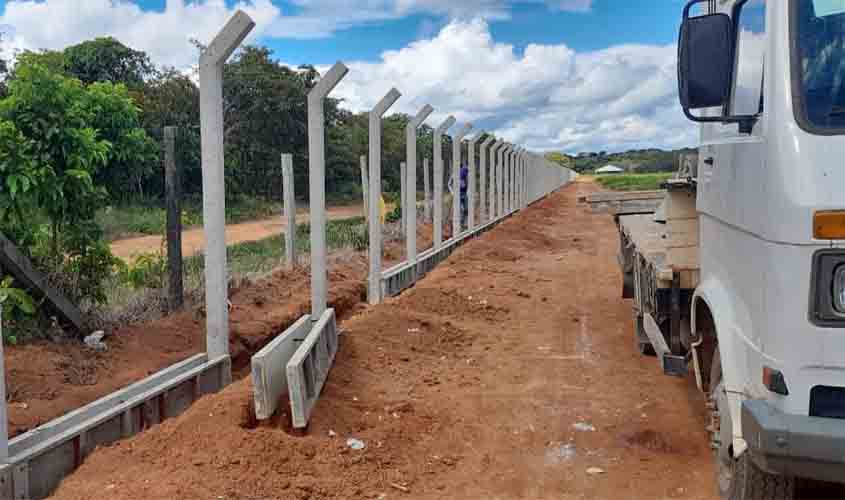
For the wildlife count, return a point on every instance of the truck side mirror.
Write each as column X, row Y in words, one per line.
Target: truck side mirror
column 705, row 61
column 706, row 64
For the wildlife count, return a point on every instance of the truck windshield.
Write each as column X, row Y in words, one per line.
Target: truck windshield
column 818, row 44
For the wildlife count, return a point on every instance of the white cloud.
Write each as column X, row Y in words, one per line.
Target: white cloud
column 321, row 18
column 548, row 97
column 165, row 35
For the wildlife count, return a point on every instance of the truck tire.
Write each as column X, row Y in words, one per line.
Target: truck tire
column 739, row 478
column 641, row 342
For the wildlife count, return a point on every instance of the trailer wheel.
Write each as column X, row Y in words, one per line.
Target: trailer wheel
column 739, row 478
column 641, row 342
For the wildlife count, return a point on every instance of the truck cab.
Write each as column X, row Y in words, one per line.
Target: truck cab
column 766, row 80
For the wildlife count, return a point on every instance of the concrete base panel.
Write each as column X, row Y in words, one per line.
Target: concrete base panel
column 42, row 457
column 269, row 376
column 397, row 279
column 403, row 276
column 309, row 368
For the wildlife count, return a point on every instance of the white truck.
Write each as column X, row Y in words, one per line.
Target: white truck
column 739, row 277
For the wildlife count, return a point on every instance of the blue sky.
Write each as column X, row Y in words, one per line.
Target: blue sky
column 607, row 23
column 553, row 74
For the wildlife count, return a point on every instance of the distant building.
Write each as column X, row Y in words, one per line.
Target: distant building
column 610, row 169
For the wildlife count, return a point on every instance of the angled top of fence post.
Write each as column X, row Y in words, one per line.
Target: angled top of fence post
column 466, row 129
column 446, row 125
column 328, row 82
column 385, row 103
column 420, row 118
column 477, row 138
column 490, row 140
column 227, row 40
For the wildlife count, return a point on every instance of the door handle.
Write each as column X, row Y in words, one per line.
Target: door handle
column 708, row 161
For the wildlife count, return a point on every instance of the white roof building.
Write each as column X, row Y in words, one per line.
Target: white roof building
column 610, row 169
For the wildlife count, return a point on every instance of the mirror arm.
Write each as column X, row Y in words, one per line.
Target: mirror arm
column 746, row 122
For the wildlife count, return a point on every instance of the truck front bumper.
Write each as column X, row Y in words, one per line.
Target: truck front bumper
column 794, row 445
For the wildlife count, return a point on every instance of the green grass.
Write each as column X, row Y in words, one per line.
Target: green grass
column 633, row 182
column 253, row 257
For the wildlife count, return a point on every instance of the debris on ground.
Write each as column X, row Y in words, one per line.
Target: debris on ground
column 355, row 444
column 95, row 341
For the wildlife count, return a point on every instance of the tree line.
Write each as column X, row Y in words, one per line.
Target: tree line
column 81, row 129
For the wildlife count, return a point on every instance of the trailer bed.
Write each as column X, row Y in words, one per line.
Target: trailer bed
column 665, row 248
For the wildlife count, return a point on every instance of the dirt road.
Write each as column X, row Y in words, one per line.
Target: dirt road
column 508, row 373
column 193, row 240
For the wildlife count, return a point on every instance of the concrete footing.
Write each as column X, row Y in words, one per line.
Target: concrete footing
column 309, row 367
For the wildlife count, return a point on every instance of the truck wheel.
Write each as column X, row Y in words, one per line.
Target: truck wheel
column 641, row 342
column 739, row 478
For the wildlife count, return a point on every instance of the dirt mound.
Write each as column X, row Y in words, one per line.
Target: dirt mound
column 47, row 380
column 452, row 303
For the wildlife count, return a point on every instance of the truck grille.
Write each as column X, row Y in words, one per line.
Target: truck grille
column 828, row 402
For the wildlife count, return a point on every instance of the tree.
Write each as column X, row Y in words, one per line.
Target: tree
column 68, row 134
column 171, row 98
column 132, row 155
column 105, row 59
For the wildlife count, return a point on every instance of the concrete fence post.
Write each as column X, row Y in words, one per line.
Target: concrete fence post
column 409, row 211
column 173, row 196
column 365, row 186
column 427, row 187
column 317, row 186
column 290, row 210
column 514, row 179
column 213, row 182
column 374, row 289
column 403, row 194
column 438, row 180
column 500, row 173
column 494, row 178
column 482, row 179
column 457, row 140
column 509, row 179
column 522, row 180
column 473, row 185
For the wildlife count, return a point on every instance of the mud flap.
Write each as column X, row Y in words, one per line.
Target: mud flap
column 671, row 364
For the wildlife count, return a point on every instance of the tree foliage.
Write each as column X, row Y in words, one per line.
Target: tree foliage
column 58, row 140
column 107, row 60
column 81, row 129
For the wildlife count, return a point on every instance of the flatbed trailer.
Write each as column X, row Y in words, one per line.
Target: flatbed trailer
column 659, row 259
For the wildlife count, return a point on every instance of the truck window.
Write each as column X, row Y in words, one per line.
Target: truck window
column 750, row 19
column 818, row 45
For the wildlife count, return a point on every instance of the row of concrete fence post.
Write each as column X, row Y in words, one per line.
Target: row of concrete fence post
column 503, row 178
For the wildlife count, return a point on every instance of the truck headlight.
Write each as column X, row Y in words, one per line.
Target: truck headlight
column 839, row 289
column 827, row 288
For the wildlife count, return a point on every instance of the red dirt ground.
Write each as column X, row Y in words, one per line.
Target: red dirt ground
column 466, row 387
column 46, row 380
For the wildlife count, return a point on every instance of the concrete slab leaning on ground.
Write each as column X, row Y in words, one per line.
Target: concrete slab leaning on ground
column 42, row 457
column 309, row 368
column 269, row 376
